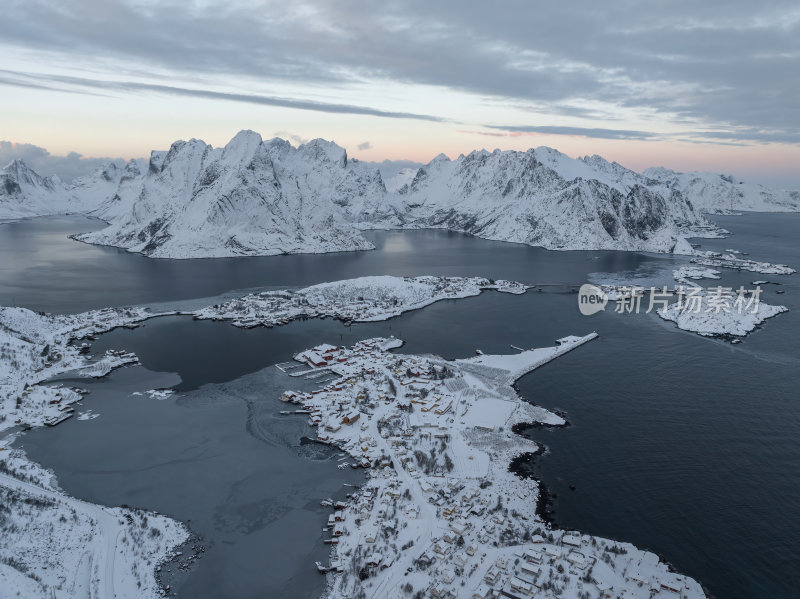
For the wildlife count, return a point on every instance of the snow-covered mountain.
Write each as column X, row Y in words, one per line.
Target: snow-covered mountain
column 401, row 180
column 85, row 194
column 712, row 193
column 264, row 197
column 24, row 193
column 252, row 197
column 539, row 197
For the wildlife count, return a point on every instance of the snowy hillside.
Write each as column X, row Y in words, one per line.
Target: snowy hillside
column 712, row 193
column 87, row 193
column 540, row 197
column 401, row 180
column 24, row 193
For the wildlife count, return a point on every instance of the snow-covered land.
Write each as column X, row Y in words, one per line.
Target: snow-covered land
column 441, row 514
column 712, row 313
column 267, row 197
column 685, row 275
column 540, row 197
column 363, row 299
column 36, row 347
column 264, row 197
column 714, row 193
column 53, row 546
column 24, row 193
column 729, row 260
column 441, row 511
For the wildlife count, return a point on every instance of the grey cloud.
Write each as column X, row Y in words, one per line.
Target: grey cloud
column 56, row 82
column 582, row 131
column 729, row 64
column 733, row 137
column 365, row 146
column 755, row 135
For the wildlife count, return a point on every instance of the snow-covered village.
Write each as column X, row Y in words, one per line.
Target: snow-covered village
column 442, row 515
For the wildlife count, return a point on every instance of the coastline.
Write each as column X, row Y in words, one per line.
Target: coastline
column 440, row 479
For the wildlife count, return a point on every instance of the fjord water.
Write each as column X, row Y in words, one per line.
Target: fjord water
column 683, row 445
column 42, row 269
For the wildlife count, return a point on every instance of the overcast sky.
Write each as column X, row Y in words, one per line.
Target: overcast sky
column 709, row 85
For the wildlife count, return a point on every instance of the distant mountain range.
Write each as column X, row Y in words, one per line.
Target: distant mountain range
column 264, row 197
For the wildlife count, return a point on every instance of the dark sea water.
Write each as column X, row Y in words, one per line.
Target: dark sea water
column 686, row 446
column 42, row 269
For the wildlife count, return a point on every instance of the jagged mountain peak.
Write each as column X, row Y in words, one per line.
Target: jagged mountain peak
column 244, row 144
column 321, row 149
column 23, row 174
column 23, row 192
column 16, row 165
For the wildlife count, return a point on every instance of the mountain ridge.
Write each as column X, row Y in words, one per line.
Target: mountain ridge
column 265, row 197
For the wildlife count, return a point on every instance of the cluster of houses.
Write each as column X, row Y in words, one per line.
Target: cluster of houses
column 364, row 299
column 440, row 512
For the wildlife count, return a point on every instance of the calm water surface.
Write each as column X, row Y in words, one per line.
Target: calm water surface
column 683, row 445
column 42, row 269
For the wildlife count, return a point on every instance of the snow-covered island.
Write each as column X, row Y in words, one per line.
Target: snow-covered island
column 686, row 275
column 441, row 514
column 718, row 311
column 363, row 299
column 711, row 312
column 718, row 314
column 729, row 260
